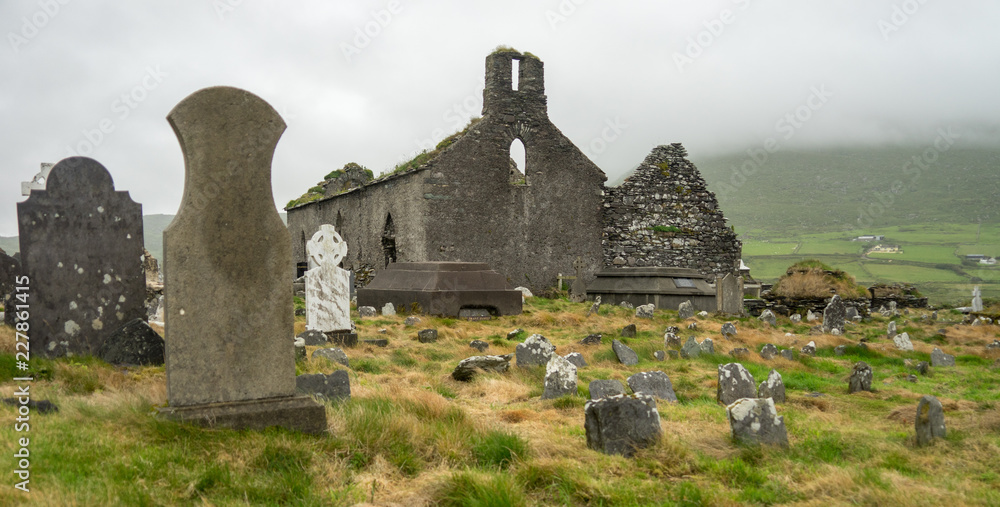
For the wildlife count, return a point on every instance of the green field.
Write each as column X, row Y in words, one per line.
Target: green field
column 938, row 254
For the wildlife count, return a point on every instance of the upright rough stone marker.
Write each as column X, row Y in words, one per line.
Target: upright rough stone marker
column 229, row 313
column 81, row 247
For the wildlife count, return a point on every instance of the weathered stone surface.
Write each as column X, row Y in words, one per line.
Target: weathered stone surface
column 300, row 349
column 412, row 320
column 469, row 367
column 389, row 310
column 671, row 340
column 923, row 367
column 381, row 342
column 834, row 315
column 335, row 386
column 467, row 290
column 994, row 346
column 576, row 359
column 366, row 311
column 788, row 354
column 427, row 335
column 659, row 355
column 891, row 329
column 10, row 270
column 645, row 311
column 929, row 422
column 342, row 338
column 578, row 290
column 327, row 287
column 740, row 352
column 861, row 378
column 628, row 331
column 685, row 310
column 626, row 305
column 652, row 383
column 81, row 248
column 768, row 317
column 226, row 257
column 940, row 359
column 135, row 343
column 621, row 424
column 755, row 421
column 625, row 355
column 840, row 350
column 902, row 342
column 313, row 337
column 536, row 350
column 591, row 339
column 693, row 326
column 602, row 388
column 768, row 351
column 852, row 313
column 560, row 378
column 811, row 317
column 525, row 293
column 595, row 308
column 514, row 334
column 672, row 330
column 332, row 354
column 729, row 330
column 479, row 345
column 735, row 382
column 795, row 318
column 691, row 348
column 729, row 294
column 673, row 354
column 773, row 387
column 809, row 349
column 707, row 346
column 977, row 299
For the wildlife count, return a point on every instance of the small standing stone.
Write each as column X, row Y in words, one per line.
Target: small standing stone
column 366, row 311
column 602, row 388
column 645, row 311
column 514, row 334
column 809, row 349
column 427, row 336
column 861, row 378
column 576, row 359
column 795, row 318
column 660, row 355
column 625, row 355
column 740, row 352
column 768, row 351
column 628, row 331
column 755, row 421
column 685, row 310
column 591, row 339
column 840, row 350
column 335, row 386
column 388, row 310
column 693, row 326
column 852, row 313
column 691, row 349
column 626, row 305
column 834, row 315
column 560, row 378
column 902, row 342
column 735, row 382
column 671, row 340
column 332, row 354
column 923, row 367
column 891, row 329
column 479, row 345
column 810, row 316
column 621, row 424
column 994, row 346
column 707, row 347
column 788, row 354
column 653, row 383
column 313, row 337
column 673, row 354
column 939, row 358
column 772, row 388
column 535, row 351
column 768, row 317
column 412, row 320
column 300, row 349
column 729, row 330
column 596, row 307
column 930, row 420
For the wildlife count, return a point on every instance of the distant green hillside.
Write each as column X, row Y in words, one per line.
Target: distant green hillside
column 853, row 189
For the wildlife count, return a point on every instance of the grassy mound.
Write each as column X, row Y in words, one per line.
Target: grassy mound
column 813, row 279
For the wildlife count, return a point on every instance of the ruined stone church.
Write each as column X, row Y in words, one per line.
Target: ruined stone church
column 467, row 204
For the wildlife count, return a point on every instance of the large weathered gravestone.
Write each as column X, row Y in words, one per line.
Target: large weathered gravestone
column 560, row 378
column 773, row 387
column 685, row 310
column 328, row 287
column 602, row 388
column 902, row 342
column 535, row 351
column 768, row 317
column 930, row 420
column 977, row 299
column 622, row 424
column 652, row 383
column 729, row 294
column 81, row 247
column 834, row 315
column 735, row 382
column 624, row 353
column 755, row 421
column 229, row 314
column 939, row 358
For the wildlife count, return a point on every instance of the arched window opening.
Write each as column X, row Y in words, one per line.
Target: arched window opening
column 389, row 240
column 518, row 163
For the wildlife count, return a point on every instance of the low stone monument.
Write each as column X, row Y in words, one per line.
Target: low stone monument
column 940, row 359
column 536, row 350
column 729, row 294
column 685, row 310
column 861, row 378
column 755, row 421
column 468, row 368
column 81, row 248
column 652, row 383
column 230, row 361
column 560, row 378
column 735, row 382
column 622, row 424
column 930, row 420
column 328, row 287
column 834, row 315
column 773, row 387
column 729, row 330
column 768, row 351
column 902, row 342
column 624, row 353
column 768, row 317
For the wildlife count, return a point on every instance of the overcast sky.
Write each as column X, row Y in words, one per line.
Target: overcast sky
column 373, row 81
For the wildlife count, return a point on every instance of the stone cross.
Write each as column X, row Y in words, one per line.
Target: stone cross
column 81, row 247
column 230, row 356
column 578, row 292
column 328, row 287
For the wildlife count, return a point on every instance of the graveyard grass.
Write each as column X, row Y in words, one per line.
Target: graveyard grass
column 411, row 435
